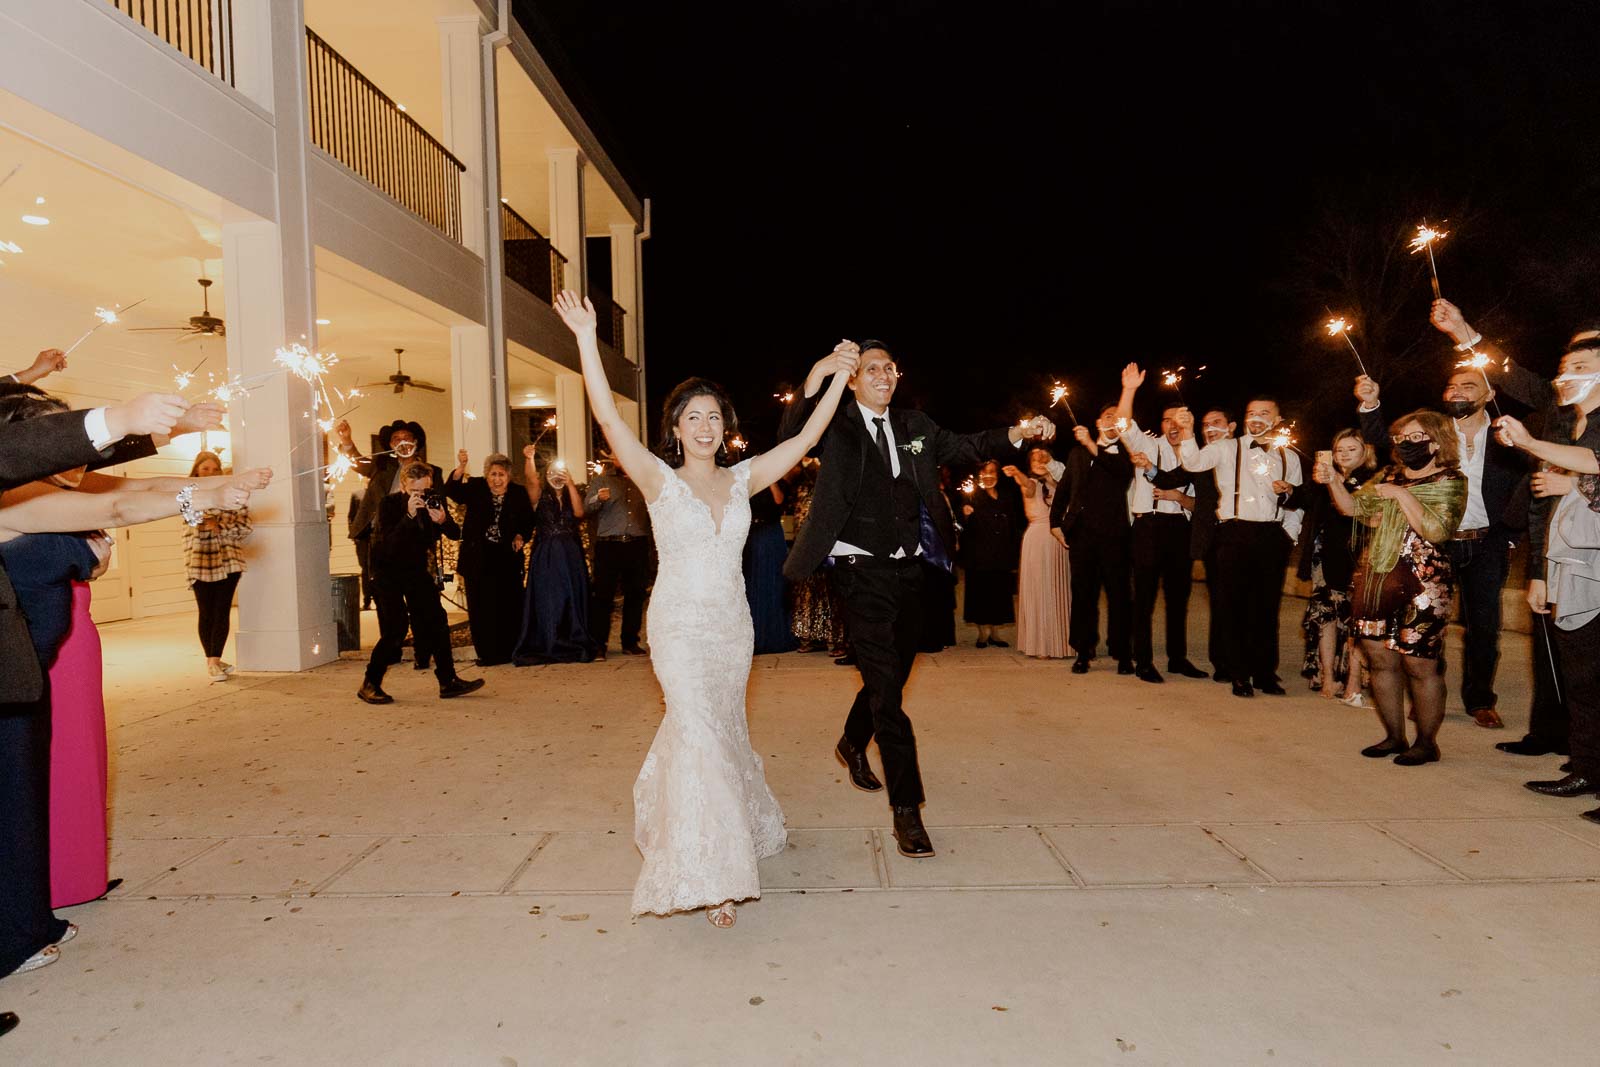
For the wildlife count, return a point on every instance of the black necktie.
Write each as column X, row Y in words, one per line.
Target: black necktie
column 883, row 444
column 1255, row 442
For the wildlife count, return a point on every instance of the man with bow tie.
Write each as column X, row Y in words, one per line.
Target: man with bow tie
column 1256, row 528
column 1091, row 514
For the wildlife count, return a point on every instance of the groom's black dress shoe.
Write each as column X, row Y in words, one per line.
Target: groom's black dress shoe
column 1592, row 816
column 1080, row 665
column 8, row 1021
column 1272, row 689
column 855, row 761
column 846, row 660
column 457, row 687
column 910, row 835
column 1573, row 785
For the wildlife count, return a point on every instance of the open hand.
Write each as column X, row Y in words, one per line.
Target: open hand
column 579, row 316
column 1132, row 376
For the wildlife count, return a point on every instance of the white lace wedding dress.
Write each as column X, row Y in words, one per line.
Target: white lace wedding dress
column 702, row 812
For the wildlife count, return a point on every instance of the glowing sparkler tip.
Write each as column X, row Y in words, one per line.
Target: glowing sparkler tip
column 1477, row 361
column 1337, row 327
column 968, row 486
column 107, row 316
column 550, row 423
column 1426, row 236
column 469, row 414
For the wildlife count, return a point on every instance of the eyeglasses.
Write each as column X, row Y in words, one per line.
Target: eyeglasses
column 1416, row 437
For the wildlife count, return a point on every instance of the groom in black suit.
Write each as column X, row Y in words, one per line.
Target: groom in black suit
column 876, row 508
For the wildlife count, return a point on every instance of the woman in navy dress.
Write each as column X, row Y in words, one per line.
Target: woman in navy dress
column 764, row 586
column 555, row 617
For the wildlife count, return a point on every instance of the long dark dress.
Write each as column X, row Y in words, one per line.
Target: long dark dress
column 764, row 587
column 991, row 537
column 492, row 569
column 555, row 616
column 1327, row 561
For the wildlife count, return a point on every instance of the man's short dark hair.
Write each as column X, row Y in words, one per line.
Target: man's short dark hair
column 416, row 471
column 872, row 343
column 1265, row 398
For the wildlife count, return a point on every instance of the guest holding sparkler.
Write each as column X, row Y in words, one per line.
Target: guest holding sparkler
column 1327, row 561
column 1256, row 476
column 555, row 614
column 213, row 559
column 1162, row 501
column 990, row 540
column 621, row 553
column 1044, row 572
column 499, row 521
column 1091, row 515
column 1401, row 590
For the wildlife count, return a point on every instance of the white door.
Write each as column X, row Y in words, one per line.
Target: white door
column 112, row 598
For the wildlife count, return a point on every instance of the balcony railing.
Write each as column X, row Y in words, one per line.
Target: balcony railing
column 356, row 123
column 531, row 260
column 610, row 314
column 200, row 29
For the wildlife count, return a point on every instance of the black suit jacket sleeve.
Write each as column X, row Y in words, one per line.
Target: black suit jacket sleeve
column 969, row 448
column 1374, row 430
column 39, row 447
column 1526, row 387
column 135, row 446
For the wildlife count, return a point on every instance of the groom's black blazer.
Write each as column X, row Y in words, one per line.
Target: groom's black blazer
column 847, row 447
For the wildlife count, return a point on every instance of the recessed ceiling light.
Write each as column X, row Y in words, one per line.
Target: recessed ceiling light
column 324, row 322
column 530, row 396
column 38, row 200
column 36, row 220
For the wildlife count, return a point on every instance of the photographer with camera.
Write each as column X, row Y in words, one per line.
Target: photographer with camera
column 409, row 524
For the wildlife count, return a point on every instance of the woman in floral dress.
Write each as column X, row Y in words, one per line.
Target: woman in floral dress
column 1400, row 595
column 1327, row 561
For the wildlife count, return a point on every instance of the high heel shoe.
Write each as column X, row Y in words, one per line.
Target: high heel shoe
column 722, row 916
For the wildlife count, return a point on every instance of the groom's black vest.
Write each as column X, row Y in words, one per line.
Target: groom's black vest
column 888, row 510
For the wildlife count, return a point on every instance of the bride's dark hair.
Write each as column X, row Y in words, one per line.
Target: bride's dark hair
column 669, row 447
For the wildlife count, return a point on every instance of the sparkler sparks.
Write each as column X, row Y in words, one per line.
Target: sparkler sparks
column 1479, row 361
column 1423, row 242
column 1058, row 395
column 104, row 317
column 969, row 486
column 784, row 398
column 228, row 391
column 596, row 468
column 469, row 414
column 737, row 444
column 1338, row 327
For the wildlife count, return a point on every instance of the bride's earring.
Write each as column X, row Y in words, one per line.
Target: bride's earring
column 678, row 441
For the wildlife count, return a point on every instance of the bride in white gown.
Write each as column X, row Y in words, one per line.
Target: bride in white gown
column 702, row 813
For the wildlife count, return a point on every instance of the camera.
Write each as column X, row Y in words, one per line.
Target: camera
column 431, row 499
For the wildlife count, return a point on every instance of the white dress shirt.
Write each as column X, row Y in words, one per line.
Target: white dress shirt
column 1477, row 514
column 1162, row 457
column 1258, row 468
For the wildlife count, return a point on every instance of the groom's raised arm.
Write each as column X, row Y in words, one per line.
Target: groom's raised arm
column 970, row 448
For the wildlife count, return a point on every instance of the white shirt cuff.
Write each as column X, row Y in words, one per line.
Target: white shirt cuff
column 1363, row 409
column 94, row 424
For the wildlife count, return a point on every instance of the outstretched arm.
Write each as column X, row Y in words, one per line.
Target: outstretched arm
column 95, row 482
column 768, row 467
column 1574, row 458
column 62, row 511
column 532, row 480
column 1132, row 378
column 635, row 458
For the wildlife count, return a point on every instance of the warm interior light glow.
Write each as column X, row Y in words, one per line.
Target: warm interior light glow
column 36, row 220
column 324, row 322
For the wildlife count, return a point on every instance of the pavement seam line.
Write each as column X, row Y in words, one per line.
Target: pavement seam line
column 1560, row 829
column 1419, row 850
column 1234, row 850
column 881, row 859
column 1061, row 858
column 527, row 861
column 148, row 882
column 349, row 865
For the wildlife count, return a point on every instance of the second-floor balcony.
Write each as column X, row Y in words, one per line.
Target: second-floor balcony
column 200, row 29
column 531, row 260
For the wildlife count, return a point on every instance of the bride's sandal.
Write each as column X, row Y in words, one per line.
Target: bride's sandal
column 722, row 916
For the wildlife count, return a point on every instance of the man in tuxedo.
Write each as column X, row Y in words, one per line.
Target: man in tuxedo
column 1161, row 501
column 875, row 509
column 1091, row 511
column 1256, row 528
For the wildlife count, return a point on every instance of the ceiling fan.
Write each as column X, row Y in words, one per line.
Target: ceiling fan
column 204, row 324
column 400, row 379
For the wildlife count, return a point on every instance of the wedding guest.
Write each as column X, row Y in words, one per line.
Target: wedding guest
column 555, row 614
column 1327, row 561
column 1215, row 425
column 1162, row 500
column 818, row 614
column 498, row 522
column 1256, row 527
column 1401, row 591
column 407, row 527
column 213, row 559
column 622, row 552
column 1091, row 512
column 1044, row 572
column 990, row 541
column 363, row 545
column 764, row 588
column 939, row 585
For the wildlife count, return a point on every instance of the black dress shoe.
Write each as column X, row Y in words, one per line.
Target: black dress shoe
column 910, row 835
column 1221, row 676
column 1573, row 785
column 8, row 1021
column 1125, row 666
column 1148, row 673
column 1080, row 665
column 373, row 694
column 997, row 643
column 983, row 644
column 846, row 660
column 1185, row 668
column 855, row 761
column 420, row 665
column 1243, row 689
column 599, row 655
column 1528, row 747
column 1272, row 689
column 1565, row 768
column 1592, row 816
column 456, row 687
column 633, row 650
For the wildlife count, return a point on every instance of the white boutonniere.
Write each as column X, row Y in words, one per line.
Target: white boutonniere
column 915, row 447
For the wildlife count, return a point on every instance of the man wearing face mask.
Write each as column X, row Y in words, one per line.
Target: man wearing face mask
column 1091, row 511
column 1480, row 551
column 1256, row 527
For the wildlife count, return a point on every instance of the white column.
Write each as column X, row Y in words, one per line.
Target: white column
column 471, row 389
column 461, row 79
column 625, row 283
column 252, row 47
column 567, row 214
column 572, row 424
column 285, row 600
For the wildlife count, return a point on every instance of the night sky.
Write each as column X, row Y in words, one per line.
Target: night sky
column 1009, row 192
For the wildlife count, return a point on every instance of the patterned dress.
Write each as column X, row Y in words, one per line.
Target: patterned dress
column 818, row 616
column 1402, row 588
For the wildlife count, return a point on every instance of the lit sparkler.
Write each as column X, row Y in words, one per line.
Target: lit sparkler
column 104, row 317
column 311, row 367
column 596, row 468
column 1424, row 242
column 469, row 414
column 968, row 486
column 1338, row 327
column 784, row 398
column 1173, row 379
column 1058, row 395
column 226, row 392
column 737, row 444
column 185, row 378
column 1479, row 362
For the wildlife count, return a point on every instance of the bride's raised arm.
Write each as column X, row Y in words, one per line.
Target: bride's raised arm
column 768, row 467
column 635, row 458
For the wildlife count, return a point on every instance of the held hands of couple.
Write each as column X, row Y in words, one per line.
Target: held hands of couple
column 845, row 359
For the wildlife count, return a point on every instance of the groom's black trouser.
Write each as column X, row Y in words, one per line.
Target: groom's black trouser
column 883, row 613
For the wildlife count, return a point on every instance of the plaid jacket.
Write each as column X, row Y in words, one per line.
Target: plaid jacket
column 212, row 555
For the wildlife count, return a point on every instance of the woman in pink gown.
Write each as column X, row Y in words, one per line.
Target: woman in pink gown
column 77, row 763
column 1043, row 581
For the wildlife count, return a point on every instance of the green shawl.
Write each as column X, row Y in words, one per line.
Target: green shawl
column 1443, row 499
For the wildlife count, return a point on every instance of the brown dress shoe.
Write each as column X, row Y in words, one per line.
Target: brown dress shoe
column 1488, row 718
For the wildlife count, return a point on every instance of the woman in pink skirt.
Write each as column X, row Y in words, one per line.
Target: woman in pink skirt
column 1043, row 581
column 77, row 763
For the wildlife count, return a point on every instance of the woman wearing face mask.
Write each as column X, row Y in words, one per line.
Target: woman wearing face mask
column 990, row 537
column 555, row 615
column 499, row 522
column 1401, row 591
column 1327, row 562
